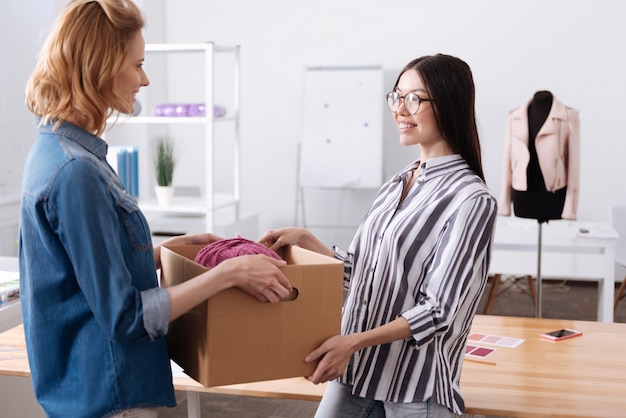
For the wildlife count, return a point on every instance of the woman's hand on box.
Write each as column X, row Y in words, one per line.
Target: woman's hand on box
column 259, row 276
column 333, row 355
column 277, row 238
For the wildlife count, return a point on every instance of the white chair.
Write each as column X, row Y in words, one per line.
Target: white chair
column 617, row 217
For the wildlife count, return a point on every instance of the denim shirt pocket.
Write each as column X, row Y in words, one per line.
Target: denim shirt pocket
column 134, row 221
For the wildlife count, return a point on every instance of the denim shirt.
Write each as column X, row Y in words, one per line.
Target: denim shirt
column 94, row 316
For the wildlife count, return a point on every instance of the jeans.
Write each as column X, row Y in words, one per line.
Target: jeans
column 339, row 402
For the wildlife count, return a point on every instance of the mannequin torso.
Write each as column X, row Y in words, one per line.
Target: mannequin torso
column 537, row 202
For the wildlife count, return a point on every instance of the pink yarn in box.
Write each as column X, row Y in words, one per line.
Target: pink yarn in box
column 218, row 251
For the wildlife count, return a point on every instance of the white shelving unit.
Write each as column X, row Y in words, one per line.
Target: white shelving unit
column 209, row 202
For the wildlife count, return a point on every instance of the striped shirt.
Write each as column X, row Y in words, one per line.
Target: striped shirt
column 427, row 260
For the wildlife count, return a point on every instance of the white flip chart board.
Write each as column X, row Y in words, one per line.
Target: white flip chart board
column 341, row 143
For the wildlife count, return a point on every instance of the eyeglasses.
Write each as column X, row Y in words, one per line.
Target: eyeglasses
column 411, row 102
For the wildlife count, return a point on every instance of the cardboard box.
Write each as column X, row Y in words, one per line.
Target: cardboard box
column 234, row 338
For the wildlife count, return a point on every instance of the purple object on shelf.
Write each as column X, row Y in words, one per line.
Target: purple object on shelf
column 164, row 110
column 196, row 109
column 187, row 109
column 181, row 110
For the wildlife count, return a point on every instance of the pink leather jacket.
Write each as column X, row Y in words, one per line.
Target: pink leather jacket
column 558, row 150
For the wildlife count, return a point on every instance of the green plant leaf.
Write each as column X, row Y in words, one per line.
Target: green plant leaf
column 164, row 162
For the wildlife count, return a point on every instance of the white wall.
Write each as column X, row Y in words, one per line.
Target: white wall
column 23, row 26
column 574, row 48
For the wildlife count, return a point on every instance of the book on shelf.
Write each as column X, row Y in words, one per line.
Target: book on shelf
column 9, row 285
column 125, row 162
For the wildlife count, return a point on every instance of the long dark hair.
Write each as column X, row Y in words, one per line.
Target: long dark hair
column 449, row 82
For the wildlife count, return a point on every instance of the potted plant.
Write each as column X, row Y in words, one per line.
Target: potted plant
column 164, row 164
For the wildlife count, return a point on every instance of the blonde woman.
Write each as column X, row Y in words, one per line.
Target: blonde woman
column 94, row 317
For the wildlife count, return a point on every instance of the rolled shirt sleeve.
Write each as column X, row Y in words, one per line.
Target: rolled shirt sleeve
column 156, row 311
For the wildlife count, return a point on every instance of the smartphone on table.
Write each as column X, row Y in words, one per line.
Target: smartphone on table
column 561, row 334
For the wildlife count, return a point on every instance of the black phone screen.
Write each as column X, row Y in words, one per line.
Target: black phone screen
column 562, row 333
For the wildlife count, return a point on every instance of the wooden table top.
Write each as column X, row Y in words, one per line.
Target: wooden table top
column 13, row 361
column 580, row 377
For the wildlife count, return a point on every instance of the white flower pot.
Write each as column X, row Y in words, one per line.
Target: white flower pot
column 164, row 194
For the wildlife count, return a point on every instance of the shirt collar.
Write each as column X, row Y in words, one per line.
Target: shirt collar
column 434, row 167
column 90, row 142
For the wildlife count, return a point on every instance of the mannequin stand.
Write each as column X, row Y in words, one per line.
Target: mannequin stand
column 538, row 304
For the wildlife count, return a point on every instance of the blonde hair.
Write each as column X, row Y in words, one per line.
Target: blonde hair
column 75, row 74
